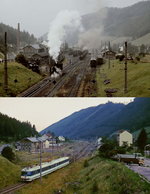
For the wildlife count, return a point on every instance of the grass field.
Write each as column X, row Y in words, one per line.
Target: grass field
column 99, row 176
column 25, row 78
column 138, row 79
column 9, row 173
column 28, row 159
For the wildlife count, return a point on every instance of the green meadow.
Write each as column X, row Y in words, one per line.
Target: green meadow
column 19, row 79
column 138, row 78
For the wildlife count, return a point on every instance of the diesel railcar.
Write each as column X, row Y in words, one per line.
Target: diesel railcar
column 29, row 174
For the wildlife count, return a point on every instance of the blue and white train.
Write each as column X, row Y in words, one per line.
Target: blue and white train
column 29, row 174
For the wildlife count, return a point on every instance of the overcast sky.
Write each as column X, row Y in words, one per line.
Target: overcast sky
column 45, row 111
column 35, row 15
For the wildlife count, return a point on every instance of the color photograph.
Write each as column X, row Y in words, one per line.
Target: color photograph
column 75, row 97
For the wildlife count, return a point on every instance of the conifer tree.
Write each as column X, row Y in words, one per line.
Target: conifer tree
column 142, row 140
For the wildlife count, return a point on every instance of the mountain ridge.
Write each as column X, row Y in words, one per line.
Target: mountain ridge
column 103, row 120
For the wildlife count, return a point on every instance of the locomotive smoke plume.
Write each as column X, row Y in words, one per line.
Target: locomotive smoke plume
column 65, row 22
column 94, row 34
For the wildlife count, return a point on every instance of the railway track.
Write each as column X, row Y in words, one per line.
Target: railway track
column 13, row 188
column 64, row 80
column 34, row 90
column 84, row 152
column 76, row 85
column 40, row 89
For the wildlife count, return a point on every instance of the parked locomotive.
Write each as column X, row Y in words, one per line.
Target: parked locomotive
column 97, row 61
column 100, row 60
column 29, row 174
column 93, row 62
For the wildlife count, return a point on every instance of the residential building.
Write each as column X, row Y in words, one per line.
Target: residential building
column 61, row 138
column 36, row 52
column 124, row 138
column 32, row 144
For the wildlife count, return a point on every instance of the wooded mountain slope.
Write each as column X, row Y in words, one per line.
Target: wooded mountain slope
column 132, row 21
column 104, row 120
column 12, row 129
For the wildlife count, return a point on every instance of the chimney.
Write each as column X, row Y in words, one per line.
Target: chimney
column 18, row 38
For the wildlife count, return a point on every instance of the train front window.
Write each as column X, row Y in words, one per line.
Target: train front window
column 24, row 173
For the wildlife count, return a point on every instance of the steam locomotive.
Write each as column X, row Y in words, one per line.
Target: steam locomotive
column 96, row 61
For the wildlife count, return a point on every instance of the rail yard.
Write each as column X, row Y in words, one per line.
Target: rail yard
column 69, row 82
column 75, row 151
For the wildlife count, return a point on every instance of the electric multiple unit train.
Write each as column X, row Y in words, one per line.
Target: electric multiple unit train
column 29, row 174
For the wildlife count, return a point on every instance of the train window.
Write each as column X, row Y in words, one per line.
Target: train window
column 46, row 168
column 23, row 173
column 50, row 167
column 38, row 171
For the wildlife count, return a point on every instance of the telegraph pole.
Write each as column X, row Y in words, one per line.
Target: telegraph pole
column 5, row 66
column 41, row 162
column 126, row 68
column 109, row 56
column 18, row 38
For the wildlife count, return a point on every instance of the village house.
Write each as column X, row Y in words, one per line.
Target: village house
column 36, row 52
column 32, row 144
column 124, row 138
column 109, row 54
column 61, row 138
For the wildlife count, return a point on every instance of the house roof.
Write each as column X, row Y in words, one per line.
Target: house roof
column 32, row 139
column 35, row 46
column 115, row 134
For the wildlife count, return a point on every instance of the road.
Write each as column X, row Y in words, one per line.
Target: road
column 142, row 170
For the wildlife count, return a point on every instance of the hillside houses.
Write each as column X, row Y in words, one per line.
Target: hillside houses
column 36, row 52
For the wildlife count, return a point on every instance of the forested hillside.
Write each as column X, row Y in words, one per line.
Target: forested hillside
column 132, row 21
column 104, row 120
column 25, row 37
column 12, row 129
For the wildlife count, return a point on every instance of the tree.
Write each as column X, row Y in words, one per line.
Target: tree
column 21, row 59
column 108, row 148
column 142, row 140
column 8, row 153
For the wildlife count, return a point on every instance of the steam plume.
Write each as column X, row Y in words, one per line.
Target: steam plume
column 64, row 23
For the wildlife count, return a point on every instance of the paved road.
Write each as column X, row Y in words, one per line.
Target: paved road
column 142, row 170
column 147, row 162
column 145, row 171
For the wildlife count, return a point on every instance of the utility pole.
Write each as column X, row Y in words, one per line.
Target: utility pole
column 109, row 56
column 126, row 68
column 18, row 38
column 40, row 161
column 105, row 50
column 5, row 66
